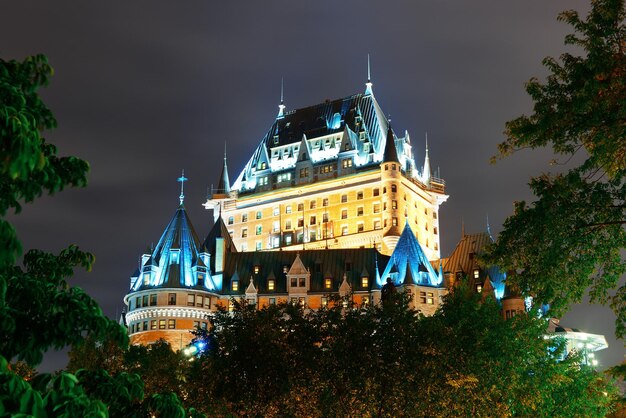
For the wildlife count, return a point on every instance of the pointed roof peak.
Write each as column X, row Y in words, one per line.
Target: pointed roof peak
column 182, row 179
column 223, row 184
column 281, row 106
column 368, row 85
column 391, row 153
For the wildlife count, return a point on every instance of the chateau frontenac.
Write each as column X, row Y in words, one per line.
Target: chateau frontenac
column 331, row 203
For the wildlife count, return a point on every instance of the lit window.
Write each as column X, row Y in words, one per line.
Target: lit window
column 375, row 192
column 430, row 299
column 146, row 279
column 304, row 172
column 171, row 299
column 288, row 224
column 359, row 211
column 366, row 300
column 376, row 208
column 161, row 323
column 244, row 232
column 263, row 181
column 364, row 282
column 259, row 230
column 344, row 214
column 344, row 198
column 244, row 217
column 325, row 202
column 377, row 224
column 276, row 226
column 262, row 165
column 344, row 230
column 394, row 221
column 272, row 301
column 479, row 288
column 153, row 324
column 231, row 220
column 300, row 207
column 288, row 209
column 347, row 163
column 394, row 204
column 234, row 285
column 171, row 323
column 270, row 284
column 324, row 301
column 199, row 301
column 476, row 273
column 258, row 246
column 328, row 283
column 191, row 300
column 394, row 188
column 283, row 177
column 325, row 217
column 276, row 211
column 257, row 268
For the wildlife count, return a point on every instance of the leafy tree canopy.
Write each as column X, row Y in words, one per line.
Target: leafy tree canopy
column 571, row 239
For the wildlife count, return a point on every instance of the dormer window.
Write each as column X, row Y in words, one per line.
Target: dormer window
column 257, row 268
column 146, row 279
column 234, row 285
column 479, row 288
column 365, row 281
column 476, row 273
column 270, row 284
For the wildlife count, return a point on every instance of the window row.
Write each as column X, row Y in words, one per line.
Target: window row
column 152, row 325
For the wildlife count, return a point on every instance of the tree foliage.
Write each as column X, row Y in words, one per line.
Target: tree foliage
column 389, row 360
column 570, row 239
column 39, row 309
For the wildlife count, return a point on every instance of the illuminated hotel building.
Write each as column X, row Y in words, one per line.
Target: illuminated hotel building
column 334, row 184
column 334, row 175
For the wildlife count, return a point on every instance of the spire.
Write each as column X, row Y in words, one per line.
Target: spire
column 489, row 229
column 281, row 106
column 426, row 169
column 182, row 179
column 223, row 185
column 368, row 85
column 391, row 153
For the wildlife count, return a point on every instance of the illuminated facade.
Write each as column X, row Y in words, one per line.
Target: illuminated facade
column 183, row 280
column 331, row 176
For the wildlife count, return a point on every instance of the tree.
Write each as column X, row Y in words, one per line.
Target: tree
column 570, row 240
column 38, row 308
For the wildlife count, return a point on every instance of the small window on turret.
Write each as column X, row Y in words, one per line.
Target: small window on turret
column 364, row 282
column 171, row 299
column 394, row 188
column 270, row 284
column 234, row 285
column 257, row 268
column 394, row 222
column 476, row 273
column 386, row 167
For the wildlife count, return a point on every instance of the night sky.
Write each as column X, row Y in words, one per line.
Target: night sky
column 144, row 89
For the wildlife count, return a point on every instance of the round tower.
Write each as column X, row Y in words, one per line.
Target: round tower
column 390, row 178
column 172, row 291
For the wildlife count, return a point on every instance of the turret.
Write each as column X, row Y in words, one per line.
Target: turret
column 390, row 179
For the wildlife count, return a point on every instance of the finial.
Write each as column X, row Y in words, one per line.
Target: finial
column 368, row 85
column 182, row 179
column 426, row 135
column 224, row 150
column 281, row 106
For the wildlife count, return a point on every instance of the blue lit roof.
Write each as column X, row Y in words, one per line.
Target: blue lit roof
column 176, row 261
column 410, row 262
column 325, row 129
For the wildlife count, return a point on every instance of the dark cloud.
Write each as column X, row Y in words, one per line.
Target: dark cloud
column 143, row 89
